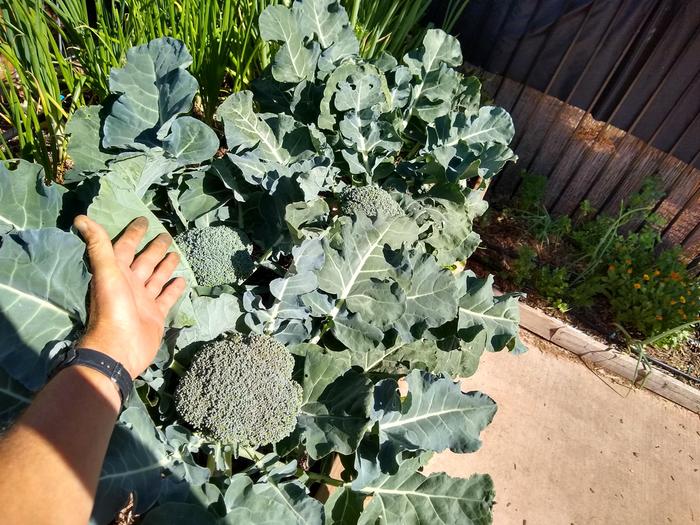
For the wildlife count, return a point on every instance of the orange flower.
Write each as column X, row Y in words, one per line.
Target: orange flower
column 646, row 277
column 637, row 286
column 657, row 273
column 628, row 261
column 629, row 271
column 673, row 302
column 675, row 276
column 611, row 268
column 659, row 317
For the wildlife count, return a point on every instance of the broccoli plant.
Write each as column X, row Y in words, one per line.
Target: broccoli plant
column 323, row 237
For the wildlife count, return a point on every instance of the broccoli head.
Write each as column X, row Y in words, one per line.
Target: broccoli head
column 240, row 390
column 217, row 254
column 369, row 200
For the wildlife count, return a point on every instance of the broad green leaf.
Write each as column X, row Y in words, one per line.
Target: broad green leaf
column 431, row 292
column 294, row 61
column 200, row 195
column 42, row 297
column 326, row 18
column 191, row 141
column 84, row 148
column 344, row 507
column 438, row 48
column 360, row 257
column 175, row 513
column 26, row 202
column 13, row 399
column 411, row 497
column 153, row 88
column 497, row 317
column 435, row 415
column 336, row 401
column 245, row 129
column 115, row 206
column 452, row 234
column 214, row 316
column 134, row 463
column 491, row 125
column 460, row 361
column 270, row 503
column 142, row 170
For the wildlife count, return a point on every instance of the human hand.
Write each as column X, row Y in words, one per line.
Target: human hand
column 130, row 295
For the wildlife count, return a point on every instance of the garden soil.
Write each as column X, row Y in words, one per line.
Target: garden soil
column 574, row 446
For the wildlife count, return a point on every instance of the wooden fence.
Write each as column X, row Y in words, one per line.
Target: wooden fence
column 603, row 93
column 588, row 159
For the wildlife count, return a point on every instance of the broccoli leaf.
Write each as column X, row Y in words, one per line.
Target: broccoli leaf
column 436, row 415
column 152, row 89
column 84, row 128
column 294, row 61
column 13, row 399
column 334, row 413
column 42, row 298
column 134, row 462
column 411, row 497
column 497, row 318
column 175, row 513
column 270, row 502
column 213, row 317
column 191, row 141
column 26, row 202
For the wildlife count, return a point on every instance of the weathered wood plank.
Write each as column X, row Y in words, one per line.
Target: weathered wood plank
column 583, row 139
column 623, row 155
column 645, row 164
column 598, row 355
column 556, row 139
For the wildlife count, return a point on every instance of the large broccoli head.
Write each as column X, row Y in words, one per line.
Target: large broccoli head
column 240, row 390
column 217, row 254
column 369, row 200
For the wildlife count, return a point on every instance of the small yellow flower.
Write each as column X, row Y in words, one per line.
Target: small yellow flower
column 657, row 273
column 682, row 299
column 628, row 261
column 637, row 286
column 646, row 277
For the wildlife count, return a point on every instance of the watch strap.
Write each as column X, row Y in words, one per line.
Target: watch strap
column 103, row 363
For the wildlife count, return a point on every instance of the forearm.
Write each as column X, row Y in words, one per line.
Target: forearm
column 53, row 455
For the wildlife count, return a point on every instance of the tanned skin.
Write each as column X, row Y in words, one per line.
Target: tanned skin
column 50, row 459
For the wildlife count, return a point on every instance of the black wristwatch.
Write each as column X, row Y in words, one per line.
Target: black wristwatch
column 100, row 362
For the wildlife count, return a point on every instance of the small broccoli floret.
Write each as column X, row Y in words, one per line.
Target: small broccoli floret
column 240, row 390
column 369, row 200
column 217, row 254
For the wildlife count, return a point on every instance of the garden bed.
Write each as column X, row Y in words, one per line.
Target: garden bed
column 504, row 236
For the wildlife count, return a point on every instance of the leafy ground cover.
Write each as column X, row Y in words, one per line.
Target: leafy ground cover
column 330, row 219
column 603, row 273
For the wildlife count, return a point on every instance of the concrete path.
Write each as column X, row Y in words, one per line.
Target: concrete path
column 572, row 447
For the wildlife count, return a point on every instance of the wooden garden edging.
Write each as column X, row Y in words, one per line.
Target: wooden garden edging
column 598, row 355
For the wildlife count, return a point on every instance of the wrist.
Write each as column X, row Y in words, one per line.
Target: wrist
column 102, row 344
column 97, row 381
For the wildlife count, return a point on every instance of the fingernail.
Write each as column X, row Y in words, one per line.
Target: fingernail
column 81, row 225
column 141, row 222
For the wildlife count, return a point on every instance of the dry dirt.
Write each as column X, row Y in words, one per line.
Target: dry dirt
column 570, row 446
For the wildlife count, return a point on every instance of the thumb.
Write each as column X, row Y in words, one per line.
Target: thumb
column 99, row 245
